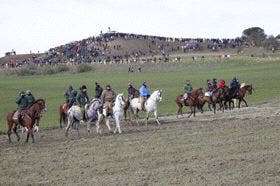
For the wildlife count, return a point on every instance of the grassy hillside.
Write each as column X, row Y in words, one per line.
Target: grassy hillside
column 264, row 74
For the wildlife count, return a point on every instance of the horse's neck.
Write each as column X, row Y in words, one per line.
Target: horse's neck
column 153, row 97
column 195, row 93
column 244, row 89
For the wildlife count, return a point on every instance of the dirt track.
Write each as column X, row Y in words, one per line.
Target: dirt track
column 237, row 147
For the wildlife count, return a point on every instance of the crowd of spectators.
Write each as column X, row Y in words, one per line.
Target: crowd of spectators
column 102, row 49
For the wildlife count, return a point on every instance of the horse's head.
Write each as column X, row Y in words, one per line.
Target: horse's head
column 41, row 105
column 249, row 89
column 120, row 99
column 158, row 94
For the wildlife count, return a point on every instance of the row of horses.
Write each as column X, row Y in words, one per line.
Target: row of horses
column 222, row 96
column 95, row 113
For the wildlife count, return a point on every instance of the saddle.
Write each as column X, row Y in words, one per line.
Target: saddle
column 108, row 108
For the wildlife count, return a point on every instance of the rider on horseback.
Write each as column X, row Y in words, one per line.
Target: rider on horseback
column 67, row 94
column 209, row 88
column 144, row 94
column 234, row 87
column 30, row 98
column 72, row 98
column 108, row 96
column 188, row 89
column 98, row 90
column 131, row 91
column 22, row 103
column 82, row 99
column 214, row 83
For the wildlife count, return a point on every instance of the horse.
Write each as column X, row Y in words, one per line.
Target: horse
column 192, row 102
column 216, row 97
column 93, row 114
column 26, row 119
column 238, row 94
column 74, row 115
column 242, row 92
column 127, row 104
column 150, row 106
column 117, row 112
column 63, row 113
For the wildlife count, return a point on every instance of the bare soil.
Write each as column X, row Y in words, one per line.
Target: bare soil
column 235, row 147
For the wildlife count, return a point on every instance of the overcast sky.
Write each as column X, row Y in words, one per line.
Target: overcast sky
column 41, row 24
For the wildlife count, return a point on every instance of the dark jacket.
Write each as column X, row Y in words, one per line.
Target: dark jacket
column 30, row 100
column 98, row 91
column 22, row 102
column 131, row 91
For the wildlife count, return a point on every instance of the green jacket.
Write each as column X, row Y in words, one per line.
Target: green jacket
column 67, row 94
column 72, row 98
column 22, row 102
column 82, row 98
column 30, row 100
column 188, row 88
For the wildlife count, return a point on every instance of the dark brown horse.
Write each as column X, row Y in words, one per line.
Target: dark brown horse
column 192, row 102
column 127, row 104
column 238, row 94
column 26, row 119
column 217, row 97
column 63, row 113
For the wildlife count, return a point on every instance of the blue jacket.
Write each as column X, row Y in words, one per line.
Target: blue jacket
column 234, row 84
column 144, row 91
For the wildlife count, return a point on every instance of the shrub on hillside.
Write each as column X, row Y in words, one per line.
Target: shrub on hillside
column 83, row 68
column 26, row 71
column 62, row 68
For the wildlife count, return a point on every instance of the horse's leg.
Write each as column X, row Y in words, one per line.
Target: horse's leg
column 245, row 102
column 214, row 107
column 222, row 106
column 69, row 123
column 147, row 117
column 125, row 113
column 178, row 112
column 78, row 128
column 10, row 126
column 15, row 131
column 194, row 111
column 136, row 116
column 28, row 133
column 60, row 119
column 97, row 127
column 191, row 112
column 32, row 135
column 156, row 116
column 108, row 124
column 117, row 120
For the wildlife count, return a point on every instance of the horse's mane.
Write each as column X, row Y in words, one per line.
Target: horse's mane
column 39, row 100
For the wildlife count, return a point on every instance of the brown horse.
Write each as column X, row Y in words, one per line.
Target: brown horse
column 26, row 120
column 63, row 113
column 192, row 102
column 242, row 92
column 238, row 94
column 127, row 104
column 217, row 97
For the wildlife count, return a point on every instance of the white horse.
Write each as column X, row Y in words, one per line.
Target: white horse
column 93, row 114
column 150, row 105
column 74, row 115
column 117, row 112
